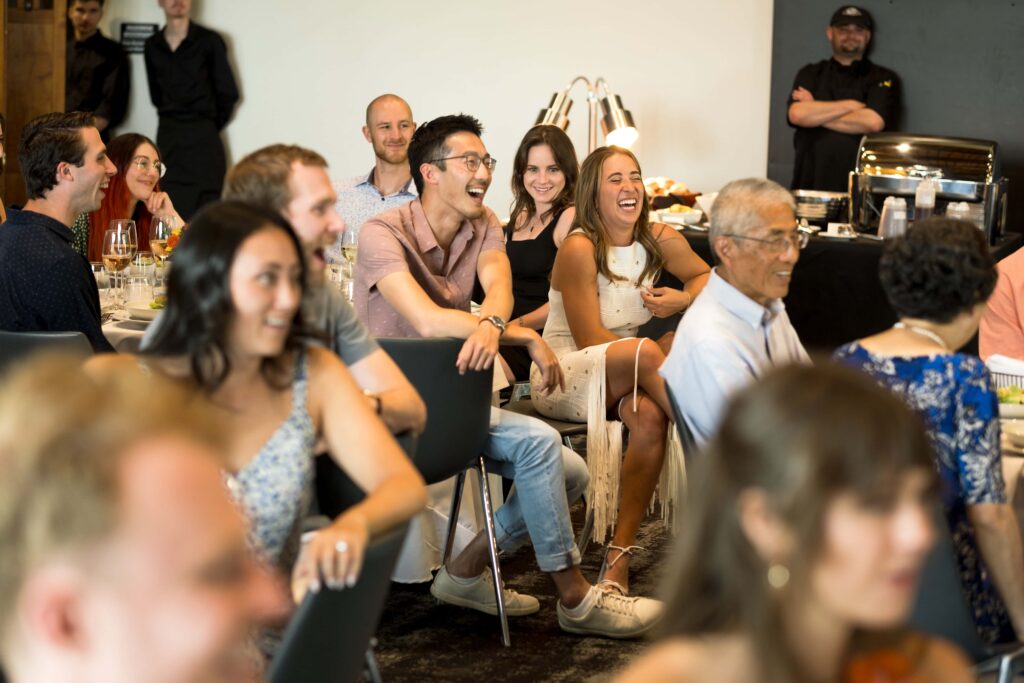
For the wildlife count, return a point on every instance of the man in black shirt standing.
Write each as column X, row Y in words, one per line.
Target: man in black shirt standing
column 97, row 77
column 836, row 101
column 45, row 285
column 194, row 91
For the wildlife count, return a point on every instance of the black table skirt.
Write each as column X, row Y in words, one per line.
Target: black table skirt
column 835, row 296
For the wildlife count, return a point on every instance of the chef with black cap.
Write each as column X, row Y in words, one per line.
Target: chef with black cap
column 836, row 101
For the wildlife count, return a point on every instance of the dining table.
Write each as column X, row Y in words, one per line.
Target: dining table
column 835, row 295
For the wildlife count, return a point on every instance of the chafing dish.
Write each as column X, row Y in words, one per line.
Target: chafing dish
column 893, row 164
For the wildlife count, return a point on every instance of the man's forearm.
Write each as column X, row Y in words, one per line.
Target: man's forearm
column 815, row 113
column 857, row 122
column 497, row 302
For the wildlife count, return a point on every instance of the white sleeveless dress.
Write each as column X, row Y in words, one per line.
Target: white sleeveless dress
column 585, row 397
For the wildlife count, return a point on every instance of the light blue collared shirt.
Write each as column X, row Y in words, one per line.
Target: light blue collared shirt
column 359, row 200
column 725, row 341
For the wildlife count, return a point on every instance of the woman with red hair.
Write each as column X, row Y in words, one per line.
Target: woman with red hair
column 133, row 193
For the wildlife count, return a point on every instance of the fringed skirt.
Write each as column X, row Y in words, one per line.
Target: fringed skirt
column 585, row 400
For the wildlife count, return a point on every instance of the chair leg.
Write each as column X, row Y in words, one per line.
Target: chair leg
column 372, row 670
column 453, row 517
column 492, row 546
column 568, row 443
column 583, row 541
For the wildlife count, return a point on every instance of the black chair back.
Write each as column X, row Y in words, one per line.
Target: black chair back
column 458, row 406
column 15, row 346
column 328, row 637
column 941, row 608
column 335, row 490
column 690, row 447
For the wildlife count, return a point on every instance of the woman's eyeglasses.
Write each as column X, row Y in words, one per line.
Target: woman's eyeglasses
column 144, row 164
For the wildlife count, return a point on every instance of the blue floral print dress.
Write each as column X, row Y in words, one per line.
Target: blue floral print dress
column 954, row 394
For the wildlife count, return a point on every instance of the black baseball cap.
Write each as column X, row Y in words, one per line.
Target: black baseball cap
column 851, row 14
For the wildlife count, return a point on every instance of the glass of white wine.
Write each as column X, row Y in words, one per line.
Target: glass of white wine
column 159, row 231
column 120, row 243
column 350, row 249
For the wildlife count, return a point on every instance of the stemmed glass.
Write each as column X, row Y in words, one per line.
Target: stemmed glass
column 159, row 231
column 120, row 242
column 350, row 249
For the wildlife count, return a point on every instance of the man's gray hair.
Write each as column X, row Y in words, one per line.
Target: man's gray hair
column 740, row 205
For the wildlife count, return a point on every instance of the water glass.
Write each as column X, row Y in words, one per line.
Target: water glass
column 143, row 265
column 138, row 289
column 104, row 287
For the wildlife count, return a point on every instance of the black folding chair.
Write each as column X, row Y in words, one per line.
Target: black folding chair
column 17, row 346
column 690, row 448
column 942, row 610
column 328, row 639
column 458, row 425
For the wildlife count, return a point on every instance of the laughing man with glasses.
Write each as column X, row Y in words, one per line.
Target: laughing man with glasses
column 414, row 276
column 737, row 329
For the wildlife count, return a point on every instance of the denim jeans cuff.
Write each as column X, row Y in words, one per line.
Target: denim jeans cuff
column 556, row 563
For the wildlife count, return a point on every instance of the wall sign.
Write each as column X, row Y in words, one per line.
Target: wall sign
column 133, row 36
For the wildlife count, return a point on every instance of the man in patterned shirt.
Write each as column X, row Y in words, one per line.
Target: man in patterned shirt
column 45, row 285
column 389, row 128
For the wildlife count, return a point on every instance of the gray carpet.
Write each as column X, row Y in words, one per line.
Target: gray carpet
column 420, row 640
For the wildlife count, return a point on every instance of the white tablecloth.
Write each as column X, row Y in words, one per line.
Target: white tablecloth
column 125, row 335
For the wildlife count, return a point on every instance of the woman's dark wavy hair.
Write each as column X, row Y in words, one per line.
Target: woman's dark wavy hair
column 565, row 158
column 939, row 269
column 199, row 305
column 803, row 435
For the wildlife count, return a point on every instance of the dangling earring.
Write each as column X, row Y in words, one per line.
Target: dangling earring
column 778, row 575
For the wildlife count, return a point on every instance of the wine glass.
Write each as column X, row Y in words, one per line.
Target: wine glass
column 350, row 249
column 159, row 231
column 102, row 285
column 119, row 246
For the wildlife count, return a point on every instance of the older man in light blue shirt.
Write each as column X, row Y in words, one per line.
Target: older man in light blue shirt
column 738, row 328
column 389, row 128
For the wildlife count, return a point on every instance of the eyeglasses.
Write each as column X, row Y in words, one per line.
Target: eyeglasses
column 143, row 164
column 777, row 245
column 472, row 161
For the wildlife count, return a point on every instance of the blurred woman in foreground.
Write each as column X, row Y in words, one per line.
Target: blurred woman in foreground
column 233, row 332
column 807, row 531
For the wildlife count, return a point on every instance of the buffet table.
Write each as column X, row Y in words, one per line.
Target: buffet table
column 835, row 296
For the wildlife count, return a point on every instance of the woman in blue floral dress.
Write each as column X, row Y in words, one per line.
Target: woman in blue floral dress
column 938, row 278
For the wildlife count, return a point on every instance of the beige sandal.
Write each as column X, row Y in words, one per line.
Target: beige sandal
column 607, row 584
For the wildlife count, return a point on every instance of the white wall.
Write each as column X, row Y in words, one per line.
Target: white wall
column 695, row 74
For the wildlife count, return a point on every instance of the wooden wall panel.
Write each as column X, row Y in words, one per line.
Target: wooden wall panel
column 33, row 73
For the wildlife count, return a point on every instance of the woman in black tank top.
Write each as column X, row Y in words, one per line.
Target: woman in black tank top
column 543, row 185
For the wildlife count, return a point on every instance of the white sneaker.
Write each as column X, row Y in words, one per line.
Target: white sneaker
column 611, row 615
column 479, row 595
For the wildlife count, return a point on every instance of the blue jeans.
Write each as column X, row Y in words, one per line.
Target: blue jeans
column 548, row 478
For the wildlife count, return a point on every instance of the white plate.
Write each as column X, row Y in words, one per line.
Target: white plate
column 688, row 218
column 841, row 236
column 1011, row 410
column 140, row 310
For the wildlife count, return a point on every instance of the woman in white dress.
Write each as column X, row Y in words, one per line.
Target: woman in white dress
column 601, row 293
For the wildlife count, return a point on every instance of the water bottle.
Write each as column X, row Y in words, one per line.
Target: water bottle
column 924, row 199
column 899, row 217
column 885, row 222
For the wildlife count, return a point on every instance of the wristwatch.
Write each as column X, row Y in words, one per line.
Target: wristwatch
column 497, row 322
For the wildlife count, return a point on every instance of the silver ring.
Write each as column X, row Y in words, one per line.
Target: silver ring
column 341, row 546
